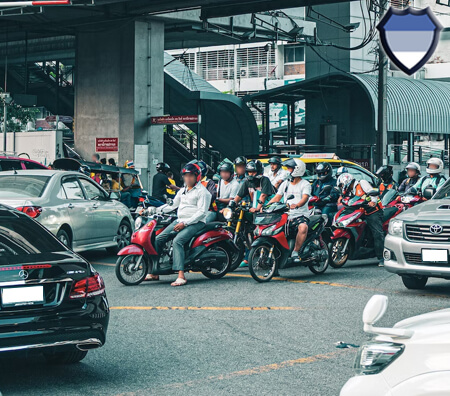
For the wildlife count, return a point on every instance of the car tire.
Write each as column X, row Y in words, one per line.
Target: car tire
column 415, row 282
column 123, row 237
column 63, row 237
column 69, row 357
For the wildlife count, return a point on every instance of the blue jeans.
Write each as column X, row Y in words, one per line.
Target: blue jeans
column 181, row 238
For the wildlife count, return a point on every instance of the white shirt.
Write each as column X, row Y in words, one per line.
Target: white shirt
column 281, row 175
column 192, row 204
column 297, row 190
column 229, row 190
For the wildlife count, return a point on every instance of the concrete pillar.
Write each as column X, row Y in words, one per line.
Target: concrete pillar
column 119, row 86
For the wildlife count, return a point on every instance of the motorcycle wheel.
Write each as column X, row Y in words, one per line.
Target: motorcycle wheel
column 320, row 269
column 214, row 273
column 127, row 274
column 262, row 269
column 338, row 257
column 239, row 255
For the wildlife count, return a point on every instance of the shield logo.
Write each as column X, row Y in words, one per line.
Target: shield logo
column 409, row 37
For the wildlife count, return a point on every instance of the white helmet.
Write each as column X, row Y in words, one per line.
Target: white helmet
column 344, row 181
column 435, row 161
column 300, row 168
column 413, row 165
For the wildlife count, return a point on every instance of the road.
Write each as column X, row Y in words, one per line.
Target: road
column 232, row 336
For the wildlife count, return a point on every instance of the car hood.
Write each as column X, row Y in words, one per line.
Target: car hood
column 435, row 209
column 431, row 319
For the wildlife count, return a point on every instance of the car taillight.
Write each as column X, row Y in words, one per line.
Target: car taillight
column 32, row 211
column 88, row 287
column 141, row 199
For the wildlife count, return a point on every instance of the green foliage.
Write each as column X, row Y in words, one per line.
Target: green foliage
column 18, row 116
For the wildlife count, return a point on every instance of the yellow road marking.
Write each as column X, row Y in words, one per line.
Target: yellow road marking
column 208, row 308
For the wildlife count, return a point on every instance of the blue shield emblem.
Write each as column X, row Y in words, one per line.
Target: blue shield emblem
column 409, row 37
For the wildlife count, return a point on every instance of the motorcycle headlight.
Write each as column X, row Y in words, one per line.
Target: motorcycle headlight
column 272, row 230
column 138, row 223
column 406, row 198
column 374, row 357
column 346, row 222
column 395, row 227
column 227, row 213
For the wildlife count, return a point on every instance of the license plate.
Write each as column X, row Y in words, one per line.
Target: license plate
column 22, row 295
column 435, row 255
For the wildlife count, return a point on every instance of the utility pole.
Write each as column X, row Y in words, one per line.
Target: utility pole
column 382, row 99
column 6, row 97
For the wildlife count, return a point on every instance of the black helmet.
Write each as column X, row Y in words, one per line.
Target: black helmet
column 226, row 167
column 254, row 166
column 240, row 161
column 276, row 161
column 385, row 173
column 162, row 167
column 290, row 163
column 194, row 169
column 324, row 171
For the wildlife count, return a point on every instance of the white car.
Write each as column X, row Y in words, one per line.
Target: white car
column 410, row 359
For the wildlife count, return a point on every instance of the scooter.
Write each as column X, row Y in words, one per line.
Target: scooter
column 351, row 237
column 274, row 244
column 210, row 251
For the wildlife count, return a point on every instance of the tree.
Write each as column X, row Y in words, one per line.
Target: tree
column 18, row 116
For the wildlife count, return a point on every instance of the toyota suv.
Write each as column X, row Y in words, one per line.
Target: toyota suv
column 418, row 242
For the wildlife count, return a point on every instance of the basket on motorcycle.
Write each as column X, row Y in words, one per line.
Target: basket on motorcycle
column 266, row 219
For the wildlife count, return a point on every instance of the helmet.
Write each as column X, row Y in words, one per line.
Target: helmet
column 202, row 165
column 344, row 181
column 341, row 170
column 254, row 166
column 324, row 171
column 435, row 161
column 299, row 169
column 226, row 167
column 240, row 161
column 290, row 163
column 194, row 169
column 276, row 161
column 413, row 165
column 385, row 173
column 162, row 167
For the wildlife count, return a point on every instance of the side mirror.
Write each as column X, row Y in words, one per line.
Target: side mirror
column 374, row 192
column 429, row 192
column 114, row 196
column 375, row 309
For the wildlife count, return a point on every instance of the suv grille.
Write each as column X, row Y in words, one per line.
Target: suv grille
column 422, row 233
column 416, row 258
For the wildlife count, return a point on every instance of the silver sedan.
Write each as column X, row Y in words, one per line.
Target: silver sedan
column 72, row 206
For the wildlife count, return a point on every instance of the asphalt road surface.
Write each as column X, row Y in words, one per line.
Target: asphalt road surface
column 231, row 336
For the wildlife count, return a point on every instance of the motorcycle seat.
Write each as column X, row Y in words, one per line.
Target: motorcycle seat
column 388, row 213
column 314, row 219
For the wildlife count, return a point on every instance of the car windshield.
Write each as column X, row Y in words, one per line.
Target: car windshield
column 19, row 235
column 22, row 186
column 443, row 192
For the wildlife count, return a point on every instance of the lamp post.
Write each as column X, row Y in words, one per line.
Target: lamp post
column 6, row 97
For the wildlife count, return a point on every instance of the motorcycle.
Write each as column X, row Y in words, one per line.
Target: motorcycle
column 315, row 205
column 410, row 199
column 351, row 237
column 272, row 248
column 210, row 251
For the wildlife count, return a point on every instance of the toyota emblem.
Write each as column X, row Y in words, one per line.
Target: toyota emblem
column 436, row 229
column 23, row 274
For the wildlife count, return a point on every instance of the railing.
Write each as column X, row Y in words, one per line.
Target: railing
column 50, row 69
column 398, row 154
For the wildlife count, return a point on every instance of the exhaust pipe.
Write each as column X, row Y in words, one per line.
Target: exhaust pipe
column 87, row 345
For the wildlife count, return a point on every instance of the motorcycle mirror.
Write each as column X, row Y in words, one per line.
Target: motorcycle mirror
column 374, row 192
column 375, row 309
column 290, row 197
column 429, row 192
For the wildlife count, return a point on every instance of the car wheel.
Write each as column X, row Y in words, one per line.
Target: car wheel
column 63, row 237
column 68, row 357
column 415, row 282
column 123, row 238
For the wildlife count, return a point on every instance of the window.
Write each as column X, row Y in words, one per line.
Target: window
column 92, row 191
column 294, row 53
column 7, row 165
column 22, row 186
column 33, row 165
column 443, row 2
column 72, row 188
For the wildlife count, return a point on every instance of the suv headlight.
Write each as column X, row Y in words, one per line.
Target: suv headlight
column 395, row 227
column 374, row 357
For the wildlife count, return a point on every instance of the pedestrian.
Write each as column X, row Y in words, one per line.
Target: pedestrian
column 112, row 162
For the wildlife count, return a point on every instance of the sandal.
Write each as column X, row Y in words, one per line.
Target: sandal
column 150, row 278
column 179, row 282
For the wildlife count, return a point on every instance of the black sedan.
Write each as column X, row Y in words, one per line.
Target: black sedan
column 51, row 300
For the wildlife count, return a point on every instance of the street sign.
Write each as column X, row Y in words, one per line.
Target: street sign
column 106, row 145
column 65, row 119
column 178, row 119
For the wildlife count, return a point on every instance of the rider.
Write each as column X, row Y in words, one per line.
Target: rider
column 434, row 178
column 254, row 183
column 413, row 172
column 341, row 170
column 161, row 182
column 228, row 185
column 328, row 203
column 385, row 175
column 276, row 174
column 192, row 202
column 374, row 214
column 240, row 164
column 298, row 213
column 210, row 186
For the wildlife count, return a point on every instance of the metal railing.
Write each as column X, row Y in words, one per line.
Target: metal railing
column 398, row 154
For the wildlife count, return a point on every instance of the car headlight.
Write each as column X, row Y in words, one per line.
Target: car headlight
column 227, row 213
column 395, row 227
column 374, row 357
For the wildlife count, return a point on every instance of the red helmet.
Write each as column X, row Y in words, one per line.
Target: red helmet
column 194, row 169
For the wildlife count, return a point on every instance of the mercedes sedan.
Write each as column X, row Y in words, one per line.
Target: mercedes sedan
column 73, row 207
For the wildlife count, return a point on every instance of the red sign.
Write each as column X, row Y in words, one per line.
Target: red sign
column 179, row 119
column 103, row 145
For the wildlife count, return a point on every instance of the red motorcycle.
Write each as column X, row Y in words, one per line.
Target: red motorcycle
column 210, row 251
column 408, row 200
column 351, row 237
